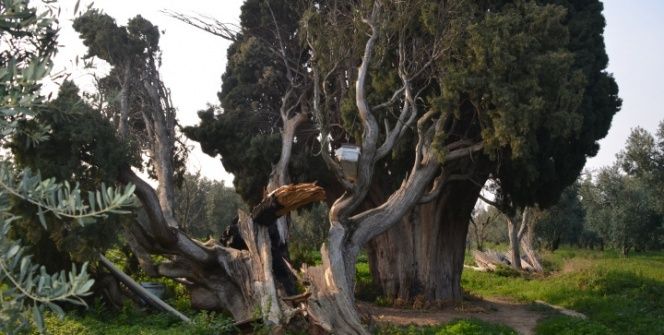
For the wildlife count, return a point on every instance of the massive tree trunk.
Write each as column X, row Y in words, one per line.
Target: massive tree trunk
column 419, row 261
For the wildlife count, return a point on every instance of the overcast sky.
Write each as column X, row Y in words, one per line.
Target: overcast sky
column 193, row 62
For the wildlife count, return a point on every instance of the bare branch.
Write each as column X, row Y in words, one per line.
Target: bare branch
column 324, row 131
column 227, row 31
column 165, row 235
column 463, row 152
column 392, row 100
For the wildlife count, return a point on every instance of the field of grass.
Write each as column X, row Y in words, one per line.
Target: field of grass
column 131, row 320
column 459, row 327
column 619, row 295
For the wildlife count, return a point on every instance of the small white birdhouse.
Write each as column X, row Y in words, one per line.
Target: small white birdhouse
column 348, row 155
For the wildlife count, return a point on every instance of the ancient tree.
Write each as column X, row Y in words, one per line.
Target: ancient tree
column 461, row 91
column 535, row 75
column 539, row 102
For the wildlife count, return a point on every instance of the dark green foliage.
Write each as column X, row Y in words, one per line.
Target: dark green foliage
column 115, row 44
column 134, row 54
column 246, row 151
column 78, row 133
column 247, row 132
column 528, row 78
column 535, row 73
column 562, row 223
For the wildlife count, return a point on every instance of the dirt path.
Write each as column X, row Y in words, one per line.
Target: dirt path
column 520, row 317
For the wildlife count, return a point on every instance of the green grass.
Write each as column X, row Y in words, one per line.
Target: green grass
column 459, row 327
column 623, row 295
column 565, row 325
column 619, row 295
column 138, row 323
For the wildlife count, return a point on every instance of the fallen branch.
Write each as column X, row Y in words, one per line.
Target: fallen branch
column 489, row 261
column 563, row 310
column 140, row 291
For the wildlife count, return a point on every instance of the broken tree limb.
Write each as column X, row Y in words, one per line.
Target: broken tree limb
column 140, row 291
column 285, row 199
column 489, row 261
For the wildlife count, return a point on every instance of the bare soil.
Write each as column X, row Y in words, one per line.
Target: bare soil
column 521, row 317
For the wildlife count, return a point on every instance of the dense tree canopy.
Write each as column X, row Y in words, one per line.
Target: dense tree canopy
column 77, row 133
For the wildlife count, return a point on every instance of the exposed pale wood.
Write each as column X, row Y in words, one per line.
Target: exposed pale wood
column 490, row 260
column 563, row 310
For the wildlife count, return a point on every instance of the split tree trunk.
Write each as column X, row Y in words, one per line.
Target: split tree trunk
column 527, row 243
column 241, row 282
column 419, row 261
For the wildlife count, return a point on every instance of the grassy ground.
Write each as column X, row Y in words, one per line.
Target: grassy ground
column 130, row 321
column 619, row 295
column 460, row 327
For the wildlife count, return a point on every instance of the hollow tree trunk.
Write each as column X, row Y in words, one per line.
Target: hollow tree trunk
column 420, row 260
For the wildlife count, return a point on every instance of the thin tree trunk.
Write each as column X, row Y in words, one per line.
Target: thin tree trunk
column 478, row 233
column 512, row 233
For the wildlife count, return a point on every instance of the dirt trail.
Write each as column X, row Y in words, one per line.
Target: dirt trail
column 521, row 317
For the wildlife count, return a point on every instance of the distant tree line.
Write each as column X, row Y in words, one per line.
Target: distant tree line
column 205, row 207
column 617, row 207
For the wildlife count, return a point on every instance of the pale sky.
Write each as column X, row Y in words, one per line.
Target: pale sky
column 193, row 62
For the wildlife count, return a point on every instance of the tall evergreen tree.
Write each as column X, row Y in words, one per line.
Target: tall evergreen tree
column 528, row 78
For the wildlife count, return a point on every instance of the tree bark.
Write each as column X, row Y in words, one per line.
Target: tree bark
column 526, row 242
column 419, row 261
column 217, row 277
column 512, row 233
